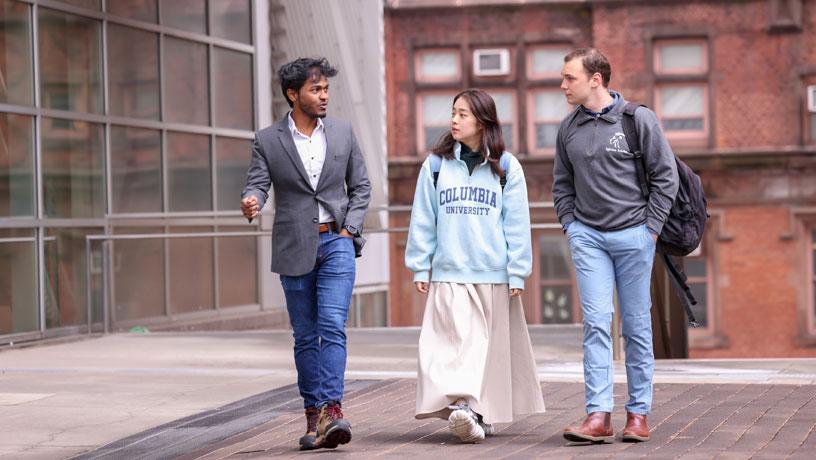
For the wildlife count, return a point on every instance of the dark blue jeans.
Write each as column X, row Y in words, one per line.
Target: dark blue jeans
column 318, row 304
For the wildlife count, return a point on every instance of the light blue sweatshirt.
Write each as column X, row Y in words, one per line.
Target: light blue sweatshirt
column 466, row 230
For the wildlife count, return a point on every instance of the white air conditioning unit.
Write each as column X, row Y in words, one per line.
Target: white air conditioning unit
column 491, row 62
column 811, row 98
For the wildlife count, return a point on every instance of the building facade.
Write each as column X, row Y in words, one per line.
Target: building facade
column 133, row 120
column 737, row 101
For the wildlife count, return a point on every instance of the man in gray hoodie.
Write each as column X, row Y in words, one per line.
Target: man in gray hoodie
column 612, row 231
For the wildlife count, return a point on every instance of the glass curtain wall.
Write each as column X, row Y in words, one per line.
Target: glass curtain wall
column 123, row 117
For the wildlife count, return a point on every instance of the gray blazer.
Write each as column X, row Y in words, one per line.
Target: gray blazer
column 343, row 189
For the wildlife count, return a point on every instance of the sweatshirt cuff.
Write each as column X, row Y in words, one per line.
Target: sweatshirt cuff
column 516, row 282
column 655, row 226
column 566, row 221
column 422, row 276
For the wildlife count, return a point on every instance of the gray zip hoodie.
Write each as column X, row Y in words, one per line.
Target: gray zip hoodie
column 595, row 180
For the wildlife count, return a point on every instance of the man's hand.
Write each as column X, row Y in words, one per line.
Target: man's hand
column 249, row 207
column 421, row 286
column 516, row 292
column 345, row 234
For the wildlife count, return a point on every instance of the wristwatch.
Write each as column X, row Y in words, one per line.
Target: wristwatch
column 352, row 230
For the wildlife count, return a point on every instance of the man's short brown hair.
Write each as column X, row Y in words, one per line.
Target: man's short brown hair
column 594, row 62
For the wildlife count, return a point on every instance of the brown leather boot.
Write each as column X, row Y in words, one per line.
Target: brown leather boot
column 332, row 428
column 636, row 428
column 597, row 427
column 309, row 440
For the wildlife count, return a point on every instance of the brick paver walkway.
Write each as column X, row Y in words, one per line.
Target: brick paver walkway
column 687, row 421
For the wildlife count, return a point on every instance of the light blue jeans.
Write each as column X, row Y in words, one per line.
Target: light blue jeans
column 318, row 304
column 604, row 261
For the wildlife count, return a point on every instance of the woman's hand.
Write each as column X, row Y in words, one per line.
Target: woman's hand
column 516, row 292
column 421, row 286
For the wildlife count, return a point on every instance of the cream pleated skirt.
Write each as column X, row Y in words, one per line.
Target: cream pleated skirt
column 474, row 345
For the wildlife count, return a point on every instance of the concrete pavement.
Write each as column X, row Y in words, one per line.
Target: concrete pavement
column 82, row 397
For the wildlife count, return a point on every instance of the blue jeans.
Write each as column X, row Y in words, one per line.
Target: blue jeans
column 318, row 304
column 604, row 261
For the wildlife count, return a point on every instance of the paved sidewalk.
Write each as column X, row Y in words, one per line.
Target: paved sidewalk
column 231, row 395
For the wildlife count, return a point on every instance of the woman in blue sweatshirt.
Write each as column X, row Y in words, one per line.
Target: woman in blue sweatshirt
column 469, row 248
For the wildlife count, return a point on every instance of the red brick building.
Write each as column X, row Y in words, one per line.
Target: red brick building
column 730, row 81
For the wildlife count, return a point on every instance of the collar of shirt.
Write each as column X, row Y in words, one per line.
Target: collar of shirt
column 296, row 132
column 615, row 98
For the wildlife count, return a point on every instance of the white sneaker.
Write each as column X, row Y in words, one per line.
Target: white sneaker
column 464, row 425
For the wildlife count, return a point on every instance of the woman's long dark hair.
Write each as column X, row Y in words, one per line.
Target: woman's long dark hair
column 484, row 109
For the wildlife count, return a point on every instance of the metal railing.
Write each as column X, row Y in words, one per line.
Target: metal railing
column 107, row 238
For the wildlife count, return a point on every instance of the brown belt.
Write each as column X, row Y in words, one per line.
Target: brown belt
column 327, row 227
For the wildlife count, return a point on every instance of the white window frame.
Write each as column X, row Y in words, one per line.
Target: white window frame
column 504, row 62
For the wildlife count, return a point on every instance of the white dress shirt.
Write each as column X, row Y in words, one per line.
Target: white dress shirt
column 312, row 151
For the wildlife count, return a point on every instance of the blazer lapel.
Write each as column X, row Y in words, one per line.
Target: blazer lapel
column 328, row 162
column 285, row 138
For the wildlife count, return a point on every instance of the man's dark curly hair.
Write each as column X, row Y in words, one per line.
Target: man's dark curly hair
column 294, row 74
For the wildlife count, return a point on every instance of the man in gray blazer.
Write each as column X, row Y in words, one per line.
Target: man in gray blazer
column 321, row 192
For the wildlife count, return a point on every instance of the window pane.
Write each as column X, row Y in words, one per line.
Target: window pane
column 681, row 101
column 188, row 162
column 233, row 89
column 237, row 269
column 191, row 271
column 186, row 81
column 682, row 56
column 813, row 128
column 438, row 65
column 554, row 253
column 65, row 299
column 18, row 284
column 136, row 170
column 545, row 135
column 694, row 266
column 143, row 10
column 133, row 71
column 73, row 179
column 550, row 106
column 70, row 62
column 548, row 60
column 16, row 165
column 556, row 304
column 230, row 20
column 436, row 109
column 700, row 310
column 432, row 135
column 138, row 275
column 90, row 4
column 233, row 161
column 504, row 106
column 507, row 135
column 15, row 54
column 188, row 15
column 683, row 124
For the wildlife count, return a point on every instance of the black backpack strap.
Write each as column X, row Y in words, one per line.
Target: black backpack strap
column 683, row 291
column 633, row 140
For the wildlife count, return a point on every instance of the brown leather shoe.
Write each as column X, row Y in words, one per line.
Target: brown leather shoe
column 309, row 440
column 636, row 428
column 597, row 427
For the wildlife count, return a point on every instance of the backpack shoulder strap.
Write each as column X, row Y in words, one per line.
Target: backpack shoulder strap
column 504, row 162
column 633, row 141
column 680, row 282
column 436, row 164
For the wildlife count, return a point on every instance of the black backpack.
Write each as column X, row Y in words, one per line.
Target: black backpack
column 685, row 225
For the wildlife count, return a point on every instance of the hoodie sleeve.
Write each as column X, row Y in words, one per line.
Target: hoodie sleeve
column 661, row 168
column 516, row 226
column 563, row 188
column 421, row 244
